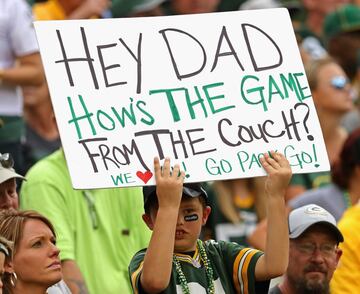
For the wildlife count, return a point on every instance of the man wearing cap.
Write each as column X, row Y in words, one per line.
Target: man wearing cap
column 8, row 193
column 314, row 252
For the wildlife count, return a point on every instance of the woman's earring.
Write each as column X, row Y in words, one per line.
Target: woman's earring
column 13, row 279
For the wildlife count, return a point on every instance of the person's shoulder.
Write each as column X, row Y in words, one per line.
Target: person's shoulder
column 12, row 8
column 350, row 219
column 52, row 165
column 12, row 4
column 126, row 196
column 314, row 194
column 48, row 10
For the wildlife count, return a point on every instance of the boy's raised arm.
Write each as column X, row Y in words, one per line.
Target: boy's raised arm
column 157, row 266
column 275, row 260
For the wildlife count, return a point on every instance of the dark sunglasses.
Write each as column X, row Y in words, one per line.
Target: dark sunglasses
column 339, row 82
column 6, row 160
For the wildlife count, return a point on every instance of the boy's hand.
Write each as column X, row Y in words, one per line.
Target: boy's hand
column 169, row 184
column 279, row 173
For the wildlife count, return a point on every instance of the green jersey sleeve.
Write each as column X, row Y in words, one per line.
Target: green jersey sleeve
column 135, row 270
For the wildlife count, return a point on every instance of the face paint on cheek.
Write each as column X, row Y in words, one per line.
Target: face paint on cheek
column 191, row 217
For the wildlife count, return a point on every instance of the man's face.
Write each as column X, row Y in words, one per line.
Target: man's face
column 312, row 260
column 8, row 195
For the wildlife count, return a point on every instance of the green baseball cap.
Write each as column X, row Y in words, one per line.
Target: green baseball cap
column 342, row 20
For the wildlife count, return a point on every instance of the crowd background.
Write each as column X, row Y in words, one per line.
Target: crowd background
column 98, row 231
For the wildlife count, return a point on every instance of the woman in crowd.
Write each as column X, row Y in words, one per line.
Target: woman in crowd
column 331, row 92
column 34, row 265
column 344, row 191
column 5, row 251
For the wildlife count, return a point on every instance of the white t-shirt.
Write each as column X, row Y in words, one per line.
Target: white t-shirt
column 59, row 288
column 17, row 38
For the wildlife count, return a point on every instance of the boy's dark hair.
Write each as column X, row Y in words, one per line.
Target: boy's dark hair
column 190, row 190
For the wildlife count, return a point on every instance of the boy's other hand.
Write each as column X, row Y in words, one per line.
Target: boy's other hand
column 169, row 184
column 279, row 173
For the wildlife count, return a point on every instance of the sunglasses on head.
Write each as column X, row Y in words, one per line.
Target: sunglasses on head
column 4, row 249
column 6, row 160
column 339, row 82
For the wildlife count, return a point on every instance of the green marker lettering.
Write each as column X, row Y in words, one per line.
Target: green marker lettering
column 75, row 119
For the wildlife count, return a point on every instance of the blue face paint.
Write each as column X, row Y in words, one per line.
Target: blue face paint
column 191, row 218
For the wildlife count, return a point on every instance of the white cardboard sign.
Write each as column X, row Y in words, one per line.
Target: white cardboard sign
column 213, row 92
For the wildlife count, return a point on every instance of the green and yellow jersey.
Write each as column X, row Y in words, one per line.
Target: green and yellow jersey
column 233, row 269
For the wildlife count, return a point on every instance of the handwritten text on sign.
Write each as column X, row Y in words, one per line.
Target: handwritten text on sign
column 213, row 92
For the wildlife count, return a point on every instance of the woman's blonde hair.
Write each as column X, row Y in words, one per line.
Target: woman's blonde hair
column 12, row 224
column 6, row 247
column 312, row 70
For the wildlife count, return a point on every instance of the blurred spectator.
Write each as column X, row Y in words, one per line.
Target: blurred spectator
column 5, row 252
column 20, row 65
column 259, row 4
column 146, row 8
column 41, row 136
column 342, row 38
column 34, row 265
column 314, row 15
column 191, row 6
column 347, row 276
column 344, row 190
column 123, row 8
column 229, row 5
column 8, row 176
column 70, row 9
column 237, row 205
column 98, row 230
column 313, row 252
column 331, row 92
column 309, row 29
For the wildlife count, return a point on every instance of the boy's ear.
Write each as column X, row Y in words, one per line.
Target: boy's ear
column 206, row 213
column 148, row 221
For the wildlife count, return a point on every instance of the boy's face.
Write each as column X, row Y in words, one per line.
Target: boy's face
column 192, row 216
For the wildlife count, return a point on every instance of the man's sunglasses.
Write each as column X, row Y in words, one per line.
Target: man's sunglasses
column 339, row 82
column 6, row 160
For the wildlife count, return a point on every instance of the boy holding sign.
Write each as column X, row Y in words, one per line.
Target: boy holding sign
column 176, row 260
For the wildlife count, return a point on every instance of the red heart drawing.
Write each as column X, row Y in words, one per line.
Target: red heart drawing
column 145, row 177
